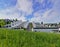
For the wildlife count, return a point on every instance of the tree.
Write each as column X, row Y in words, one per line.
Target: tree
column 16, row 19
column 30, row 26
column 41, row 22
column 2, row 22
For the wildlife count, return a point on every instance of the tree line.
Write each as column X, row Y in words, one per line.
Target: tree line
column 5, row 21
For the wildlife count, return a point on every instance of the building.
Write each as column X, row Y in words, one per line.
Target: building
column 35, row 25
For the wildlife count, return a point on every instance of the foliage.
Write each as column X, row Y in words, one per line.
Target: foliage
column 2, row 22
column 30, row 26
column 22, row 38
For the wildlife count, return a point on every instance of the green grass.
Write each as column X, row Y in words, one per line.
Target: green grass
column 20, row 38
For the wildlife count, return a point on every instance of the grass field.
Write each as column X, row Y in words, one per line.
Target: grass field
column 20, row 38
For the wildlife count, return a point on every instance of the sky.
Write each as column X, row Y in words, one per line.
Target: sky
column 47, row 11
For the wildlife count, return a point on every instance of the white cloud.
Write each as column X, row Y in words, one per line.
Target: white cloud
column 52, row 15
column 12, row 13
column 25, row 6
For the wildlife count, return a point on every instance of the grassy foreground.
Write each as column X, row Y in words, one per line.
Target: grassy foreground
column 19, row 38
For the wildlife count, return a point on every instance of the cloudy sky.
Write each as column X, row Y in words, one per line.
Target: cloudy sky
column 32, row 10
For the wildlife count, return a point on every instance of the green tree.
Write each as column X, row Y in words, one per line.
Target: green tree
column 2, row 22
column 16, row 19
column 30, row 26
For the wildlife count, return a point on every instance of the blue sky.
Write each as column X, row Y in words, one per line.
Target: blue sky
column 32, row 10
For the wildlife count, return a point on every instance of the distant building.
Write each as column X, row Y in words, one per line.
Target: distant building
column 20, row 24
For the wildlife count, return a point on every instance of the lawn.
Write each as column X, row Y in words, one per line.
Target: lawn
column 21, row 38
